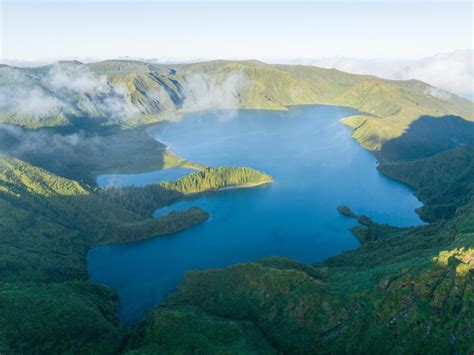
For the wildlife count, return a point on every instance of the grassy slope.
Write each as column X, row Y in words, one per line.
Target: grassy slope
column 156, row 92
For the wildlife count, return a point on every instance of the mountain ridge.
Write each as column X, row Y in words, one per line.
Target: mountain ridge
column 130, row 93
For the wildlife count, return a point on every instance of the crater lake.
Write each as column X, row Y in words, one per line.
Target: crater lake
column 315, row 165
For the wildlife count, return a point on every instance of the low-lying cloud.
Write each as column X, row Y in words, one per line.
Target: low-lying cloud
column 36, row 102
column 438, row 93
column 20, row 96
column 203, row 91
column 64, row 89
column 32, row 103
column 453, row 72
column 18, row 141
column 76, row 80
column 97, row 95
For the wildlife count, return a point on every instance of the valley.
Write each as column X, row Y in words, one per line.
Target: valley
column 408, row 285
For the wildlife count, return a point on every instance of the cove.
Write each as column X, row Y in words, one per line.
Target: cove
column 316, row 166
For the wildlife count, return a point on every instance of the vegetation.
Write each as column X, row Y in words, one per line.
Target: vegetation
column 217, row 178
column 444, row 181
column 144, row 200
column 426, row 137
column 182, row 331
column 82, row 155
column 48, row 223
column 346, row 211
column 63, row 317
column 403, row 290
column 150, row 93
column 17, row 176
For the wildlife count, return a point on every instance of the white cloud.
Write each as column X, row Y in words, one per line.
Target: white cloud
column 439, row 94
column 99, row 96
column 453, row 72
column 37, row 103
column 43, row 96
column 19, row 95
column 76, row 79
column 116, row 108
column 27, row 141
column 205, row 92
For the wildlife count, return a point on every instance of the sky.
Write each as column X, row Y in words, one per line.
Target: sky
column 266, row 30
column 430, row 41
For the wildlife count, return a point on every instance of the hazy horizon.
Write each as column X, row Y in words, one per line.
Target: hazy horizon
column 204, row 29
column 428, row 41
column 457, row 67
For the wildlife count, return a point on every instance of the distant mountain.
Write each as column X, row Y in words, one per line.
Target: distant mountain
column 450, row 71
column 130, row 93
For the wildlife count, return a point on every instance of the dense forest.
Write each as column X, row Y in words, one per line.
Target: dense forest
column 214, row 179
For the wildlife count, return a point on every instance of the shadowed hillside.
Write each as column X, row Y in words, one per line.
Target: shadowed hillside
column 428, row 136
column 82, row 155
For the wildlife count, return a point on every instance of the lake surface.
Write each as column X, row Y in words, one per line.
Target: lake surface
column 316, row 166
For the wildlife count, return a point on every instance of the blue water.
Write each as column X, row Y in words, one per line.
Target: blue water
column 141, row 179
column 316, row 166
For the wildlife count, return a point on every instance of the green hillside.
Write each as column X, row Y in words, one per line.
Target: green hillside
column 17, row 177
column 132, row 93
column 83, row 154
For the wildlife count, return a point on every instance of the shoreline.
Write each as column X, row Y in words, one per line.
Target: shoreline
column 243, row 186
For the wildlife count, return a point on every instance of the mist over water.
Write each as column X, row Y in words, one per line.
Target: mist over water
column 141, row 179
column 316, row 166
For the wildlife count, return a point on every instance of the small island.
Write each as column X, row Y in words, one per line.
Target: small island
column 217, row 179
column 346, row 211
